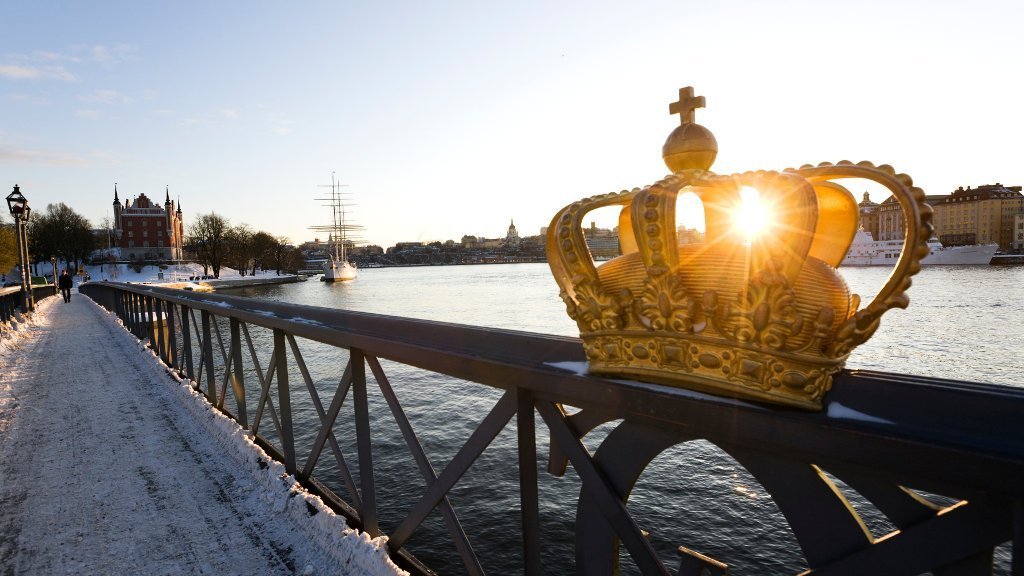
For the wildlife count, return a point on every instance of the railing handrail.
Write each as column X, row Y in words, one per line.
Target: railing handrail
column 936, row 418
column 942, row 436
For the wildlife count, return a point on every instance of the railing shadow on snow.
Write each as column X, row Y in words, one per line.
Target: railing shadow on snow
column 890, row 440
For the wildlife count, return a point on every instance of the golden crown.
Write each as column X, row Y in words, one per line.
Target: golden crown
column 765, row 317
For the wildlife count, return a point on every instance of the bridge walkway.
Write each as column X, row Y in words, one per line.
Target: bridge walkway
column 103, row 470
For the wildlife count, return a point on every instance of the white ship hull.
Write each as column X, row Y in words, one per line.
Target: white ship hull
column 867, row 252
column 339, row 271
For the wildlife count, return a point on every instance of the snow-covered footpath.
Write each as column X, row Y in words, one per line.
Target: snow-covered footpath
column 111, row 465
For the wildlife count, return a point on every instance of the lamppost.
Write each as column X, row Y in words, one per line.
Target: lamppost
column 20, row 211
column 53, row 261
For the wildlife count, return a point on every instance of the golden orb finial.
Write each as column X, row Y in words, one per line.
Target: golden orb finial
column 690, row 146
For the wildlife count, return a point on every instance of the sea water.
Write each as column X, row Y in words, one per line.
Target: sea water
column 963, row 323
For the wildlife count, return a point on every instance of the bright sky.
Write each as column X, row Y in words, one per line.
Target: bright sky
column 452, row 118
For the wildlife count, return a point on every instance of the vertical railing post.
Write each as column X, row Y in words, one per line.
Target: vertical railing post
column 186, row 343
column 130, row 304
column 172, row 337
column 211, row 380
column 126, row 297
column 527, row 441
column 148, row 302
column 284, row 401
column 237, row 375
column 140, row 321
column 137, row 320
column 368, row 514
column 1017, row 567
column 161, row 338
column 136, row 315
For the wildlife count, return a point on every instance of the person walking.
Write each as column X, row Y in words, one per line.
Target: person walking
column 65, row 283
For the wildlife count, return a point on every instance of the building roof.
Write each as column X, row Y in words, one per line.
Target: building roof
column 985, row 192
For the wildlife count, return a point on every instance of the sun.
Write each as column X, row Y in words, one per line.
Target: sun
column 751, row 217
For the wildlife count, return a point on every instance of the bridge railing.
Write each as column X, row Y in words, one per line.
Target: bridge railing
column 891, row 439
column 11, row 299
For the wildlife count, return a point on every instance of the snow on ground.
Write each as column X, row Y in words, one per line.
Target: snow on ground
column 152, row 273
column 110, row 465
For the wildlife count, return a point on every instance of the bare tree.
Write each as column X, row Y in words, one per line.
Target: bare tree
column 8, row 248
column 279, row 254
column 62, row 233
column 207, row 238
column 262, row 248
column 293, row 259
column 240, row 248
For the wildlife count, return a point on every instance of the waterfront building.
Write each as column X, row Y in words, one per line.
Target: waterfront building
column 887, row 219
column 602, row 242
column 869, row 216
column 406, row 247
column 1018, row 233
column 145, row 231
column 367, row 250
column 686, row 235
column 890, row 220
column 982, row 215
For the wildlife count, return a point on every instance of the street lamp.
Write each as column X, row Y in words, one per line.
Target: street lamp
column 53, row 261
column 20, row 211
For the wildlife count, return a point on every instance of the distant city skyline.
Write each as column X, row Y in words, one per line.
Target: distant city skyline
column 453, row 119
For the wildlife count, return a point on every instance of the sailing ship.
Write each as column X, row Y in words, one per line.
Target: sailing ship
column 337, row 268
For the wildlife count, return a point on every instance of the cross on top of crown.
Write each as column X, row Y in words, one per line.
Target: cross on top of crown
column 686, row 105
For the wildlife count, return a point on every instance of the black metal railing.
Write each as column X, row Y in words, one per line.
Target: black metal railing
column 889, row 438
column 11, row 299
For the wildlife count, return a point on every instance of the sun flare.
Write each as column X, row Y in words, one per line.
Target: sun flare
column 751, row 217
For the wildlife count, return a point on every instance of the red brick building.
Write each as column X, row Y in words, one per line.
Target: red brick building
column 146, row 231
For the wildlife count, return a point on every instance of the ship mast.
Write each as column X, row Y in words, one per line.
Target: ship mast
column 335, row 208
column 337, row 218
column 338, row 228
column 341, row 231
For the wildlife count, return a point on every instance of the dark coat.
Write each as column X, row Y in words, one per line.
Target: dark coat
column 65, row 282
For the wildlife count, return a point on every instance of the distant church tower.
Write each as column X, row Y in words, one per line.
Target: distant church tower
column 117, row 209
column 512, row 237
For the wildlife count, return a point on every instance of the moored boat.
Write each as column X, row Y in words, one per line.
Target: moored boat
column 337, row 268
column 865, row 251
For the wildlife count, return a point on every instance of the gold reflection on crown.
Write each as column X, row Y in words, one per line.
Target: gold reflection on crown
column 757, row 310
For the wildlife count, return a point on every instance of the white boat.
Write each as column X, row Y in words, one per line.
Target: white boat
column 337, row 268
column 864, row 251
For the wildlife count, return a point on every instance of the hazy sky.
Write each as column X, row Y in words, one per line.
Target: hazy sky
column 452, row 118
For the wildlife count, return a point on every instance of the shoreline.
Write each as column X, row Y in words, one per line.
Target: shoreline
column 225, row 283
